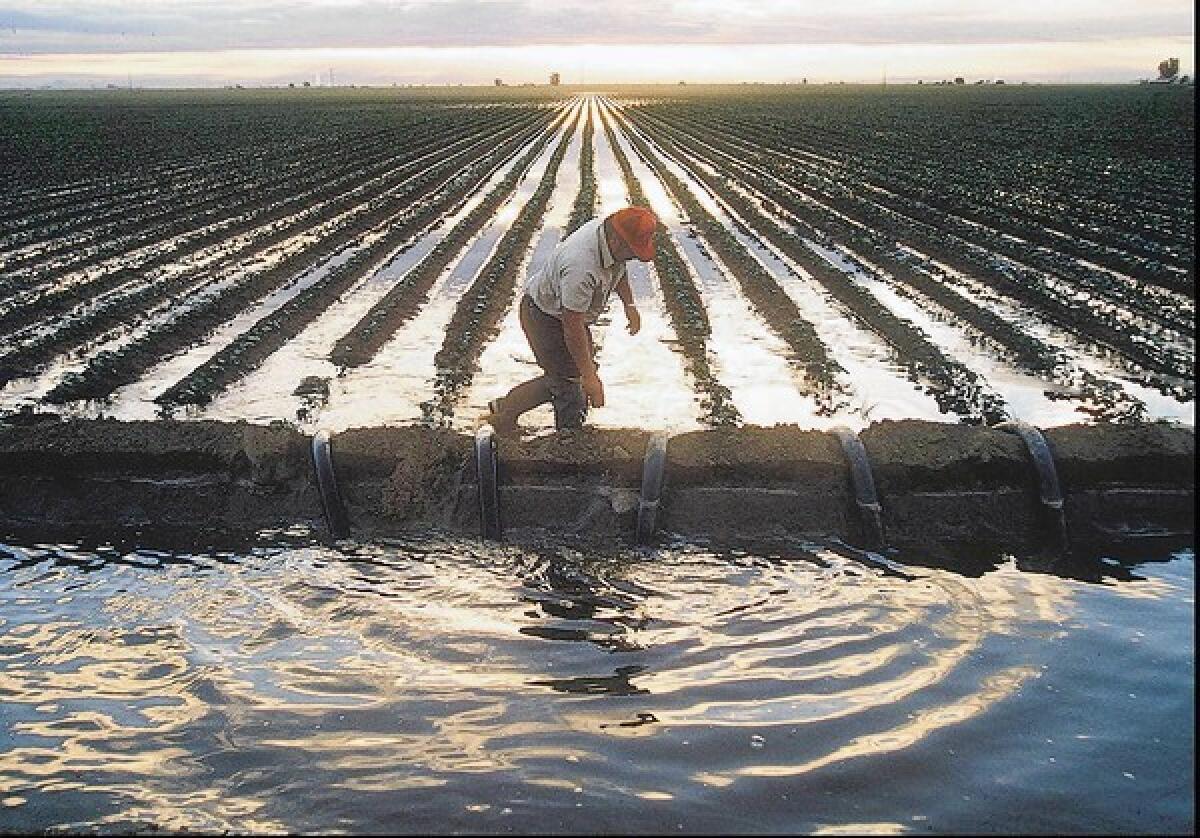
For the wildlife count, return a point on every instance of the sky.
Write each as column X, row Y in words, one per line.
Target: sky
column 177, row 43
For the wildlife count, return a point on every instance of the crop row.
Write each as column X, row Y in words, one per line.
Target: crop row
column 182, row 237
column 770, row 301
column 250, row 349
column 82, row 147
column 134, row 217
column 684, row 305
column 411, row 291
column 299, row 194
column 962, row 157
column 904, row 266
column 109, row 370
column 1113, row 157
column 55, row 158
column 354, row 195
column 954, row 387
column 1103, row 325
column 484, row 304
column 122, row 310
column 848, row 195
column 34, row 207
column 1141, row 250
column 246, row 176
column 1104, row 399
column 584, row 207
column 112, row 200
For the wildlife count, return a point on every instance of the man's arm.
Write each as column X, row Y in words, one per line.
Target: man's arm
column 575, row 334
column 633, row 317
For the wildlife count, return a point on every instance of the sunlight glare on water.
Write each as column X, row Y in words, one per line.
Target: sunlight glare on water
column 446, row 685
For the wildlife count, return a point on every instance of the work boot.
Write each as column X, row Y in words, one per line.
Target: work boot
column 501, row 424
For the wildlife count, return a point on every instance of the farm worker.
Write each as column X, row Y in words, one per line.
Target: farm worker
column 562, row 298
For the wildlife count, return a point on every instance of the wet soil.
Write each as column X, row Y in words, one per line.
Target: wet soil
column 262, row 453
column 753, row 456
column 399, row 473
column 911, row 455
column 935, row 479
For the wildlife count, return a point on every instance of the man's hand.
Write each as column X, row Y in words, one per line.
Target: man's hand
column 593, row 389
column 633, row 319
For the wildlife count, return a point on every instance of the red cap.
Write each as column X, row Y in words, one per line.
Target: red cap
column 636, row 225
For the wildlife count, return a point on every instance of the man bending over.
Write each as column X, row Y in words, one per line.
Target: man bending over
column 562, row 298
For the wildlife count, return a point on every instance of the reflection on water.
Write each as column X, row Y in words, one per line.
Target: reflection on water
column 445, row 685
column 392, row 385
column 748, row 357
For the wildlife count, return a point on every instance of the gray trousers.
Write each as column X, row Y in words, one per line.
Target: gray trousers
column 559, row 382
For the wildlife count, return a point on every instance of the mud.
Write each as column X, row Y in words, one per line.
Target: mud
column 177, row 479
column 261, row 453
column 614, row 455
column 391, row 475
column 1150, row 454
column 911, row 455
column 752, row 456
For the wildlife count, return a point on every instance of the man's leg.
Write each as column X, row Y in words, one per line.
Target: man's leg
column 560, row 383
column 570, row 404
column 520, row 399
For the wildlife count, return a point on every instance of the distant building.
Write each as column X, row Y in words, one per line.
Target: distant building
column 1168, row 69
column 555, row 79
column 498, row 82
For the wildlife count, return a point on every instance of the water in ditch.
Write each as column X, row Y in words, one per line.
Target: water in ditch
column 440, row 685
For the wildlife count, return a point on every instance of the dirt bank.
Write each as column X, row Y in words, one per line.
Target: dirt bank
column 936, row 481
column 261, row 453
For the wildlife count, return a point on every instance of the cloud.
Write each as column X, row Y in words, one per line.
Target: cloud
column 107, row 26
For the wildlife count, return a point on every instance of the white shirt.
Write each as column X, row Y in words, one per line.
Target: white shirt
column 580, row 274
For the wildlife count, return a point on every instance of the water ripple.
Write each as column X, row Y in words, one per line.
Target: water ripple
column 472, row 687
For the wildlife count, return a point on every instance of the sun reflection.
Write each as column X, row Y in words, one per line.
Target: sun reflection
column 996, row 687
column 236, row 698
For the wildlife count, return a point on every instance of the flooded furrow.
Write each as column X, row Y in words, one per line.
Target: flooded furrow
column 294, row 381
column 136, row 400
column 1048, row 291
column 353, row 173
column 748, row 357
column 957, row 389
column 237, row 181
column 507, row 360
column 1082, row 355
column 30, row 390
column 994, row 222
column 1075, row 308
column 391, row 387
column 1028, row 397
column 879, row 387
column 380, row 229
column 644, row 377
column 1092, row 395
column 283, row 212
